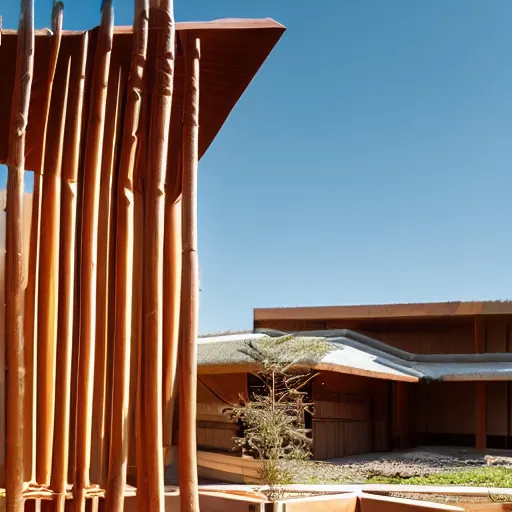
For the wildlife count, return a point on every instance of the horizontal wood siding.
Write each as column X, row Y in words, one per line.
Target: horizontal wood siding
column 216, row 393
column 351, row 415
column 228, row 468
column 420, row 335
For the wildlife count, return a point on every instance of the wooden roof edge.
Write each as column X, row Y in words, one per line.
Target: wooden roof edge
column 387, row 311
column 221, row 24
column 242, row 367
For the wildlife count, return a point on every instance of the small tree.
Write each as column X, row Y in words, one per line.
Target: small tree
column 274, row 419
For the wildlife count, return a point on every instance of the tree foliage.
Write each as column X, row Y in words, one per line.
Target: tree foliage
column 274, row 419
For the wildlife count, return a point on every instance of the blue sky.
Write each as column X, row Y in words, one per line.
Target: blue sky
column 369, row 161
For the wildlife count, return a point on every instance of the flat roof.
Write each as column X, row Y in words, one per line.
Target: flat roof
column 387, row 311
column 232, row 51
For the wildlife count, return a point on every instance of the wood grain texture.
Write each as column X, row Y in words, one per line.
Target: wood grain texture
column 188, row 481
column 119, row 445
column 105, row 287
column 14, row 260
column 162, row 23
column 49, row 261
column 65, row 338
column 31, row 320
column 90, row 211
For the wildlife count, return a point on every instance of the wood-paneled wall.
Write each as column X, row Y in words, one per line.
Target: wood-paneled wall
column 351, row 415
column 215, row 393
column 421, row 336
column 449, row 408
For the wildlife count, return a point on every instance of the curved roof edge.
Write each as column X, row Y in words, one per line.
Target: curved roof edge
column 356, row 354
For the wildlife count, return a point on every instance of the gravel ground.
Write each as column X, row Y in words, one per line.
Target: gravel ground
column 418, row 462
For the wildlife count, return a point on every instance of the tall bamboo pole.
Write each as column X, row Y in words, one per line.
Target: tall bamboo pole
column 188, row 482
column 92, row 175
column 49, row 279
column 14, row 258
column 105, row 291
column 31, row 294
column 118, row 460
column 163, row 25
column 70, row 165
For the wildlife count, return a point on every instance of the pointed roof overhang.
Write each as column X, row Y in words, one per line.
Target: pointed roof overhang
column 232, row 51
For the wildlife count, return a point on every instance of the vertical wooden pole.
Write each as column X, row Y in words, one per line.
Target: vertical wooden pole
column 31, row 294
column 188, row 482
column 90, row 209
column 118, row 460
column 138, row 361
column 105, row 293
column 162, row 22
column 49, row 279
column 3, row 364
column 480, row 391
column 70, row 165
column 14, row 258
column 172, row 299
column 401, row 417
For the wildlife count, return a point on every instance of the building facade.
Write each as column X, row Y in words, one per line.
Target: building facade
column 400, row 376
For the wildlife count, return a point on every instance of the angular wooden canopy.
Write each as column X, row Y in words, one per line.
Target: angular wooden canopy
column 232, row 51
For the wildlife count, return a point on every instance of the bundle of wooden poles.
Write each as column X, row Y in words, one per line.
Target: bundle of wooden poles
column 110, row 302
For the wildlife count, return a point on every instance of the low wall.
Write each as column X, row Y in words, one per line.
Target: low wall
column 228, row 468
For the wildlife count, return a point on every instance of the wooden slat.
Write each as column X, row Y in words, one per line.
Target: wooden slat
column 481, row 391
column 14, row 259
column 172, row 299
column 92, row 174
column 67, row 274
column 190, row 283
column 137, row 323
column 162, row 23
column 105, row 291
column 49, row 260
column 124, row 267
column 31, row 326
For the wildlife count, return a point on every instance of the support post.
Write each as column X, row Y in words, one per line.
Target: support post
column 49, row 247
column 70, row 164
column 398, row 415
column 188, row 480
column 31, row 320
column 90, row 209
column 14, row 259
column 118, row 460
column 480, row 391
column 162, row 23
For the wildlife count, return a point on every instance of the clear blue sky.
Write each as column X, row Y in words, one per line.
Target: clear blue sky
column 369, row 161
